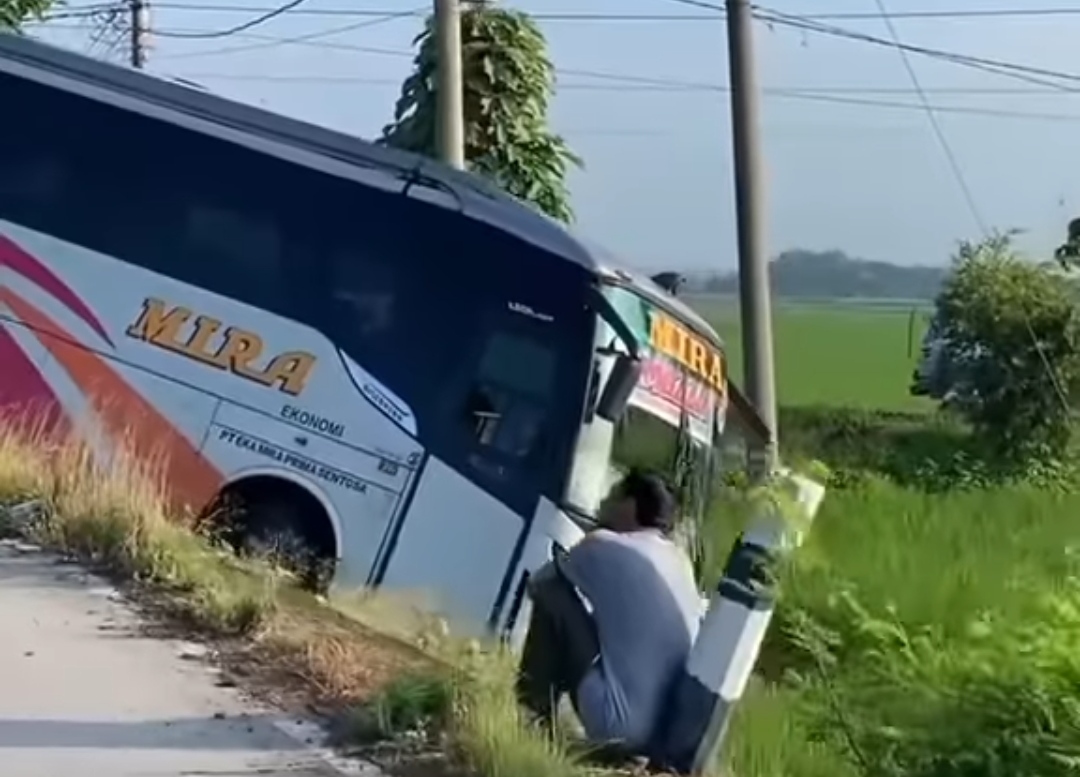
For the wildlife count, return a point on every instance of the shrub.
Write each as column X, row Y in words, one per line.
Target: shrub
column 913, row 702
column 1010, row 326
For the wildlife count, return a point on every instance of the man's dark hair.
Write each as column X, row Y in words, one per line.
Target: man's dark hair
column 654, row 503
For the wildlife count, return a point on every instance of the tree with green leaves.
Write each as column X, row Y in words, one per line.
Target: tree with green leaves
column 508, row 85
column 13, row 13
column 1011, row 331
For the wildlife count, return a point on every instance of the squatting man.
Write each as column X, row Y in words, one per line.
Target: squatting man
column 617, row 656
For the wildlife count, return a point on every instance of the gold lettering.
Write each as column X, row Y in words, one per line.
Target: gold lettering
column 716, row 374
column 697, row 358
column 667, row 336
column 161, row 325
column 237, row 353
column 292, row 368
column 681, row 342
column 197, row 346
column 675, row 341
column 157, row 326
column 660, row 333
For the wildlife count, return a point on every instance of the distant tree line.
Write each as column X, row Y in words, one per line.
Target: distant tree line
column 800, row 274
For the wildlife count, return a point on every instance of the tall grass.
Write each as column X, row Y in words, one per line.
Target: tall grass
column 940, row 558
column 378, row 655
column 117, row 518
column 929, row 627
column 922, row 632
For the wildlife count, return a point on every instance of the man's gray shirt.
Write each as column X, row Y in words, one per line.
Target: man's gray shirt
column 647, row 610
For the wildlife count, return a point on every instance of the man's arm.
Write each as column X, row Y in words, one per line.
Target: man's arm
column 572, row 565
column 578, row 564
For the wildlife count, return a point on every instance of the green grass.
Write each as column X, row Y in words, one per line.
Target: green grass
column 369, row 654
column 843, row 355
column 928, row 628
column 940, row 558
column 879, row 662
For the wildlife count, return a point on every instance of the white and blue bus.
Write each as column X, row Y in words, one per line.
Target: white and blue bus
column 406, row 371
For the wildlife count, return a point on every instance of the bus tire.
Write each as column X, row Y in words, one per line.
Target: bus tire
column 277, row 519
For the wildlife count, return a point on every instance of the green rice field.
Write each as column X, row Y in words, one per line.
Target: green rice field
column 842, row 355
column 924, row 630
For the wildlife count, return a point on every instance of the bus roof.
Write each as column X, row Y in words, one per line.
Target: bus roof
column 375, row 164
column 192, row 106
column 370, row 163
column 674, row 306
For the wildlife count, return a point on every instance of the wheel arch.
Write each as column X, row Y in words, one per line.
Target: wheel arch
column 250, row 473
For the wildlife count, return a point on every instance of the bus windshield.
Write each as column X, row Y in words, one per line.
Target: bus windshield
column 675, row 413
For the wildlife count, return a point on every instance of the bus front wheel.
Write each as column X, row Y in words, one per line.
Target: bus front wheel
column 275, row 519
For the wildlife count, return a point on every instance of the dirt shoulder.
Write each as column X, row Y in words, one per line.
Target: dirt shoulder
column 384, row 678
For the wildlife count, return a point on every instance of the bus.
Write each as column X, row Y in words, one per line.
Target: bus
column 390, row 364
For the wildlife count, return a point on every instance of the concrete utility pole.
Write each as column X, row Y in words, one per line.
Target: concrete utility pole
column 755, row 306
column 450, row 122
column 742, row 607
column 140, row 32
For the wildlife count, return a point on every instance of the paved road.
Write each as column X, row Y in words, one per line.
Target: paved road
column 82, row 693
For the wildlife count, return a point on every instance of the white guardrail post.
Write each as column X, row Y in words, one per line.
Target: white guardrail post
column 733, row 629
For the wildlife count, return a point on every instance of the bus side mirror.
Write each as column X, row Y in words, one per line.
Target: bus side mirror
column 621, row 382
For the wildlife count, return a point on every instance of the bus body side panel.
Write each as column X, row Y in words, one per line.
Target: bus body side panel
column 552, row 531
column 454, row 313
column 160, row 393
column 70, row 302
column 364, row 488
column 455, row 544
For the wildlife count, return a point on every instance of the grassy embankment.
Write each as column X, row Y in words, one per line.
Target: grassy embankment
column 376, row 665
column 929, row 627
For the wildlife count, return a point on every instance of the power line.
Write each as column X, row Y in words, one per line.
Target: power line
column 1043, row 77
column 804, row 94
column 950, row 13
column 957, row 109
column 81, row 12
column 969, row 197
column 805, row 23
column 953, row 13
column 270, row 41
column 256, row 21
column 1001, row 67
column 314, row 40
column 308, row 39
column 1038, row 76
column 940, row 13
column 943, row 141
column 648, row 84
column 640, row 83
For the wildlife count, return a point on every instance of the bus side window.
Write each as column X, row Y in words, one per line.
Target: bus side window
column 185, row 205
column 507, row 401
column 240, row 253
column 390, row 293
column 30, row 187
column 365, row 293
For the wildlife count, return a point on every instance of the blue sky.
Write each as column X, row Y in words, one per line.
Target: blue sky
column 657, row 186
